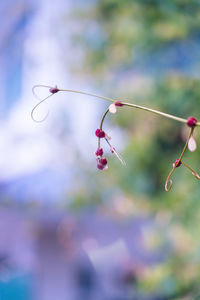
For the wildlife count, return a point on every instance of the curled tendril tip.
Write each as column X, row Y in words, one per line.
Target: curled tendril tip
column 102, row 161
column 35, row 107
column 196, row 175
column 170, row 182
column 52, row 90
column 39, row 86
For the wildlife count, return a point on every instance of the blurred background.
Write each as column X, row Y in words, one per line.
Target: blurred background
column 68, row 230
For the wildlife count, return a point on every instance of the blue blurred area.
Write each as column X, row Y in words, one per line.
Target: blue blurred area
column 35, row 187
column 17, row 288
column 25, row 167
column 176, row 56
column 15, row 15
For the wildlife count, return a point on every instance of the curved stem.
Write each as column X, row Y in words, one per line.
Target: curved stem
column 186, row 144
column 39, row 86
column 34, row 108
column 194, row 173
column 88, row 94
column 169, row 116
column 101, row 124
column 106, row 138
column 167, row 189
column 103, row 118
column 157, row 112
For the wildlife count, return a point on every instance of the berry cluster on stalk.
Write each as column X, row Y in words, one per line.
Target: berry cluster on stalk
column 102, row 163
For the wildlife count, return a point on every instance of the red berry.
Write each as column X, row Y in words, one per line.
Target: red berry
column 99, row 152
column 119, row 103
column 100, row 166
column 100, row 133
column 103, row 161
column 191, row 122
column 53, row 90
column 177, row 163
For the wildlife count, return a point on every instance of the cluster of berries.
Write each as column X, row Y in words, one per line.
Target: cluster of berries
column 102, row 163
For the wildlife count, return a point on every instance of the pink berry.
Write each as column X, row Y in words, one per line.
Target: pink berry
column 53, row 90
column 119, row 103
column 103, row 161
column 191, row 122
column 99, row 152
column 100, row 166
column 177, row 163
column 100, row 133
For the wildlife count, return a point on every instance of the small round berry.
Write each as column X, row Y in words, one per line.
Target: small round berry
column 103, row 161
column 191, row 122
column 177, row 163
column 53, row 90
column 100, row 133
column 99, row 152
column 100, row 166
column 119, row 103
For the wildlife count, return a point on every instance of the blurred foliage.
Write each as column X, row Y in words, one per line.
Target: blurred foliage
column 114, row 34
column 146, row 51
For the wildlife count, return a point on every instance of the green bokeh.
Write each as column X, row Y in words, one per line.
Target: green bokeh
column 146, row 51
